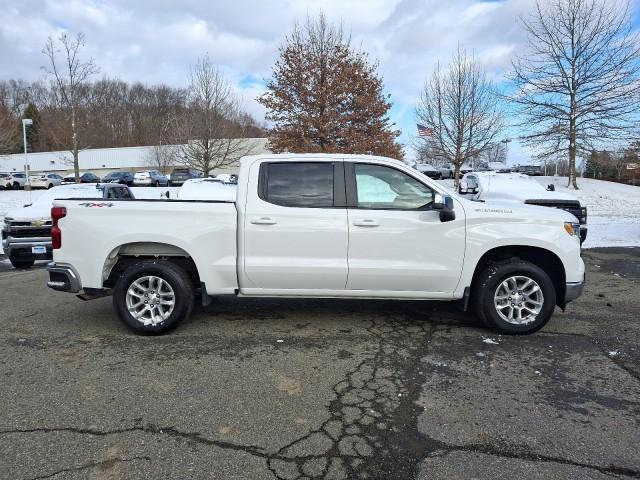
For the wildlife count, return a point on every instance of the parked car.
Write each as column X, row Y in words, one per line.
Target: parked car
column 86, row 177
column 208, row 189
column 150, row 178
column 446, row 171
column 45, row 180
column 319, row 225
column 4, row 180
column 15, row 181
column 123, row 178
column 498, row 167
column 26, row 232
column 519, row 188
column 531, row 170
column 180, row 175
column 428, row 170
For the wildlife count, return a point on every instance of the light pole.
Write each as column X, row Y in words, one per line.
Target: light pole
column 26, row 122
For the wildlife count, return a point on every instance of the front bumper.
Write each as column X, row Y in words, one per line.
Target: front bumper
column 573, row 291
column 63, row 278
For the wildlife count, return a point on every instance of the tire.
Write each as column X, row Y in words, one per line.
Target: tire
column 21, row 263
column 157, row 184
column 16, row 186
column 176, row 278
column 49, row 186
column 494, row 280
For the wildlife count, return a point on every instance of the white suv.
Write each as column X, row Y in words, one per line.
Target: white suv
column 15, row 181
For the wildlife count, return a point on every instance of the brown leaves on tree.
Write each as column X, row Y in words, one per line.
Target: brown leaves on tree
column 326, row 97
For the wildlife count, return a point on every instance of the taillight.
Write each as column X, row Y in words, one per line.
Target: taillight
column 56, row 235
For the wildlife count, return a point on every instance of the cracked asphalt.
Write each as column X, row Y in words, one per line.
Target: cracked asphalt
column 293, row 389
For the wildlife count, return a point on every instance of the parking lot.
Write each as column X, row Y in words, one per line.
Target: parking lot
column 284, row 389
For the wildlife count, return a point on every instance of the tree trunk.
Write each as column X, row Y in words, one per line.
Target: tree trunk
column 74, row 148
column 572, row 154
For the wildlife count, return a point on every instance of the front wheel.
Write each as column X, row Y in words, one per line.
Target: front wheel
column 514, row 296
column 153, row 296
column 157, row 184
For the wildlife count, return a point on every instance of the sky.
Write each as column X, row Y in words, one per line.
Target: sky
column 157, row 41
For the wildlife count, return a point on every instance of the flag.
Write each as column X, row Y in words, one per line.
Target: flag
column 424, row 131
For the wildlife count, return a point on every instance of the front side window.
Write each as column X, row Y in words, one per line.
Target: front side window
column 303, row 184
column 385, row 188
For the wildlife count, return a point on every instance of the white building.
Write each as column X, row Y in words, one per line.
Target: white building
column 104, row 160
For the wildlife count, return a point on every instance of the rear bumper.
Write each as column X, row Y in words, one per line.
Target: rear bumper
column 573, row 291
column 21, row 247
column 63, row 278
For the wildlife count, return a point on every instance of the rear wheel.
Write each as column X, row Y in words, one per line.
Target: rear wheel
column 49, row 186
column 157, row 183
column 153, row 296
column 21, row 262
column 514, row 296
column 16, row 186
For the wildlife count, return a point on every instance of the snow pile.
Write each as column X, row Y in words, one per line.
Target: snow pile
column 613, row 210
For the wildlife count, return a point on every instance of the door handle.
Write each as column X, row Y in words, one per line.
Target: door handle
column 263, row 221
column 366, row 223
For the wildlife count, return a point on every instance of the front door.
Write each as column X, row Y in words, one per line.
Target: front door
column 397, row 242
column 295, row 231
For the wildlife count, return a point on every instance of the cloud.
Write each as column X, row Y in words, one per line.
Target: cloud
column 157, row 41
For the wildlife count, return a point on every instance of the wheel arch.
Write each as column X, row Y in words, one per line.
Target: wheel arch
column 121, row 257
column 543, row 258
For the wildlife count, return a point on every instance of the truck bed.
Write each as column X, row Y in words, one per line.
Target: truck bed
column 204, row 230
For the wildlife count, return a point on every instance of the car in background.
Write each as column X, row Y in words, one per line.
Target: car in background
column 45, row 180
column 26, row 232
column 152, row 178
column 498, row 167
column 531, row 170
column 446, row 171
column 123, row 178
column 180, row 175
column 218, row 188
column 3, row 180
column 428, row 170
column 86, row 177
column 516, row 187
column 14, row 181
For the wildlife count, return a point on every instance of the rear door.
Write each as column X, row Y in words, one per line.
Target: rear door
column 295, row 227
column 397, row 242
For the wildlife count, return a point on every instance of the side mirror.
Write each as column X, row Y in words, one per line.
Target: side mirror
column 551, row 187
column 444, row 203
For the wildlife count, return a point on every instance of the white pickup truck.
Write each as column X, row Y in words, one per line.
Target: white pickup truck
column 319, row 225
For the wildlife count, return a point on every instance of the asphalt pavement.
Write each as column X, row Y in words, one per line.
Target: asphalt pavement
column 336, row 389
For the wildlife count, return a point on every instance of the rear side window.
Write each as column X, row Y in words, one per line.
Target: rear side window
column 297, row 184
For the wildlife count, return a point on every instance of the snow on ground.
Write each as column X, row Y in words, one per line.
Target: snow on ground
column 613, row 214
column 10, row 199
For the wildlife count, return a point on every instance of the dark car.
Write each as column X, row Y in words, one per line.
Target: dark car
column 123, row 178
column 531, row 170
column 86, row 177
column 180, row 175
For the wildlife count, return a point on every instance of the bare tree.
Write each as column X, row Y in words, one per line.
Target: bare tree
column 577, row 86
column 210, row 130
column 164, row 155
column 69, row 74
column 495, row 152
column 460, row 110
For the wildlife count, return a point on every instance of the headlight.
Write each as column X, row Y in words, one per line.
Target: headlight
column 572, row 229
